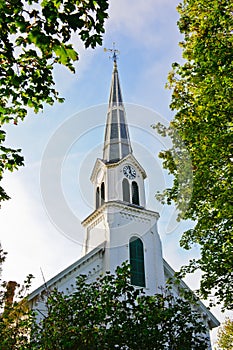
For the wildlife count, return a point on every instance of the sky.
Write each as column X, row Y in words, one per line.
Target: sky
column 51, row 195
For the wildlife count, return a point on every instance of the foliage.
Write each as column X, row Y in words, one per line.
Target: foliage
column 15, row 316
column 110, row 313
column 225, row 335
column 34, row 36
column 2, row 258
column 202, row 97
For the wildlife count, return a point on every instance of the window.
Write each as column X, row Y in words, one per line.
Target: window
column 135, row 194
column 100, row 196
column 125, row 189
column 114, row 152
column 114, row 131
column 136, row 258
column 114, row 117
column 125, row 150
column 102, row 193
column 119, row 92
column 97, row 198
column 123, row 131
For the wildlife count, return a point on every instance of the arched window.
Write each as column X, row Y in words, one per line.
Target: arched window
column 125, row 190
column 102, row 189
column 136, row 258
column 97, row 198
column 135, row 194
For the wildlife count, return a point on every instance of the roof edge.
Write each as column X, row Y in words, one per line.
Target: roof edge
column 214, row 322
column 67, row 270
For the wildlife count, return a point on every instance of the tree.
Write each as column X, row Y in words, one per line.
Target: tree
column 225, row 335
column 202, row 97
column 110, row 313
column 16, row 318
column 34, row 36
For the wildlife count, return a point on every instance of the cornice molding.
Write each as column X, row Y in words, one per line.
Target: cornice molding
column 125, row 209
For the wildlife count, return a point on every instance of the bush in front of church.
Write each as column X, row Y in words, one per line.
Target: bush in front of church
column 110, row 313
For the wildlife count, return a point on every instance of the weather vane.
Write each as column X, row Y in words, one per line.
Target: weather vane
column 114, row 52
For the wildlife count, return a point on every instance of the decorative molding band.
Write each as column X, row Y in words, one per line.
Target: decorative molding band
column 130, row 216
column 121, row 207
column 97, row 221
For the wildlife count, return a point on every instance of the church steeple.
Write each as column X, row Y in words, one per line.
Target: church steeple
column 118, row 176
column 117, row 142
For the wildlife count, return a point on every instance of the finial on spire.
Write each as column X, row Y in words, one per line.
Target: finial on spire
column 114, row 52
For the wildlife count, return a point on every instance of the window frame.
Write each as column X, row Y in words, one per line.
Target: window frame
column 137, row 262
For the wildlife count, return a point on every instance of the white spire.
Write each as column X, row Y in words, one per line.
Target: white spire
column 117, row 142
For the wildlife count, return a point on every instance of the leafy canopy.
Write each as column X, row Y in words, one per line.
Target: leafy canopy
column 225, row 335
column 16, row 318
column 108, row 313
column 202, row 98
column 112, row 314
column 34, row 36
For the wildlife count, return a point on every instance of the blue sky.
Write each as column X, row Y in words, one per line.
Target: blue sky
column 147, row 36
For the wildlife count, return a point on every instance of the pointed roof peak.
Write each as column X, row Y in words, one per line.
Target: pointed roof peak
column 117, row 141
column 115, row 69
column 115, row 98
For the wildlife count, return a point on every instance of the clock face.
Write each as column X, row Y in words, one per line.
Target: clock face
column 129, row 172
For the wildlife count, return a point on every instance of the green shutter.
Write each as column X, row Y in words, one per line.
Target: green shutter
column 136, row 255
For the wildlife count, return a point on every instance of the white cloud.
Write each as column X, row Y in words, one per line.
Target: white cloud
column 139, row 18
column 27, row 234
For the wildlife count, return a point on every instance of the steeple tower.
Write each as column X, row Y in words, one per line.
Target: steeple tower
column 120, row 219
column 117, row 142
column 118, row 176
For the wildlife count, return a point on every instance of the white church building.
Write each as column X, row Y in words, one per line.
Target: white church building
column 121, row 227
